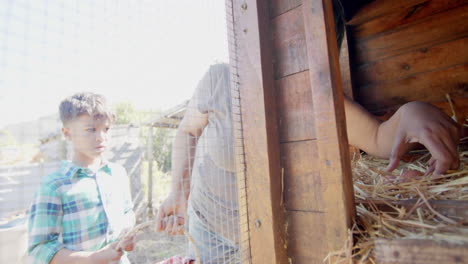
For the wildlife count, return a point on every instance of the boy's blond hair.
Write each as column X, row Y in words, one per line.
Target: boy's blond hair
column 78, row 104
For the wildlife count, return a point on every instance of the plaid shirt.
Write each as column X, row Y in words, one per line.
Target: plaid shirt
column 80, row 210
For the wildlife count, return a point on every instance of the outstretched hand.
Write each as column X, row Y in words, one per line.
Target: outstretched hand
column 171, row 214
column 425, row 124
column 107, row 255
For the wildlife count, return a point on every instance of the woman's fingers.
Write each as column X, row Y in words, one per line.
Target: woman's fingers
column 174, row 225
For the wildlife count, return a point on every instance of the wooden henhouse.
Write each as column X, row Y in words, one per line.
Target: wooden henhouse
column 289, row 80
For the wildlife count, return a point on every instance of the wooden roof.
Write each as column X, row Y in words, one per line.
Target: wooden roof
column 170, row 118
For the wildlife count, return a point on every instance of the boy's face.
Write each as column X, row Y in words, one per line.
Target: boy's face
column 88, row 136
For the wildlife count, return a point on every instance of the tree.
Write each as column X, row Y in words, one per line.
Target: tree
column 125, row 113
column 162, row 147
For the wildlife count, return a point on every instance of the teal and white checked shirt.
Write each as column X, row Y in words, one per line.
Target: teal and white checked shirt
column 80, row 210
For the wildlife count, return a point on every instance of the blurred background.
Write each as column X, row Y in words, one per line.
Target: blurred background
column 145, row 56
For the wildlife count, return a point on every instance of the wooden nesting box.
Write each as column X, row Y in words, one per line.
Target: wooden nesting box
column 296, row 197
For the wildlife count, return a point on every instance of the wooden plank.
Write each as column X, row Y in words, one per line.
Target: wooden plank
column 345, row 68
column 432, row 30
column 454, row 209
column 290, row 55
column 332, row 142
column 380, row 8
column 431, row 86
column 260, row 132
column 459, row 104
column 279, row 7
column 345, row 71
column 305, row 232
column 295, row 108
column 415, row 62
column 419, row 251
column 302, row 183
column 402, row 17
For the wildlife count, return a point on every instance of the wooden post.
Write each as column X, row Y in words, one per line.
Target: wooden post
column 149, row 153
column 264, row 212
column 332, row 142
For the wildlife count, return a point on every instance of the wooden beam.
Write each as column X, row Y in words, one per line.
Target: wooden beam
column 332, row 142
column 279, row 7
column 260, row 132
column 455, row 209
column 419, row 251
column 399, row 18
column 431, row 30
column 295, row 108
column 430, row 86
column 345, row 68
column 418, row 61
column 380, row 8
column 302, row 184
column 231, row 19
column 288, row 37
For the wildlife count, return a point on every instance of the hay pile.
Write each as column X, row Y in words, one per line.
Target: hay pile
column 418, row 207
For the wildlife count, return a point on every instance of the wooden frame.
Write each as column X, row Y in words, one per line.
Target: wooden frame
column 263, row 215
column 296, row 174
column 275, row 217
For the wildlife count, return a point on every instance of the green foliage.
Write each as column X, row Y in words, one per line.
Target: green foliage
column 124, row 113
column 162, row 137
column 161, row 183
column 162, row 146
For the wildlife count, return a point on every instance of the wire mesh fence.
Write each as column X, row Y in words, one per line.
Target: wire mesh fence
column 51, row 48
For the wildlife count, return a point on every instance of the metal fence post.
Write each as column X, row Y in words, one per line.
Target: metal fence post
column 149, row 153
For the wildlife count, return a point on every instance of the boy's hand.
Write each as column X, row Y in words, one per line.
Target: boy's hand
column 425, row 124
column 107, row 254
column 128, row 243
column 171, row 214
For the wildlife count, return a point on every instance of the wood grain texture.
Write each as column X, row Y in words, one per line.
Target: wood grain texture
column 454, row 209
column 347, row 83
column 431, row 30
column 279, row 7
column 332, row 144
column 295, row 108
column 430, row 87
column 290, row 55
column 302, row 182
column 460, row 109
column 380, row 8
column 345, row 69
column 402, row 17
column 260, row 132
column 419, row 251
column 415, row 62
column 305, row 234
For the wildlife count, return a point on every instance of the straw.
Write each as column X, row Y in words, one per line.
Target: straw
column 421, row 220
column 135, row 230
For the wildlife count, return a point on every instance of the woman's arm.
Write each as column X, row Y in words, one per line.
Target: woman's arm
column 183, row 153
column 414, row 122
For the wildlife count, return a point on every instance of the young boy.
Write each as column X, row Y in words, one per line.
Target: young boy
column 80, row 210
